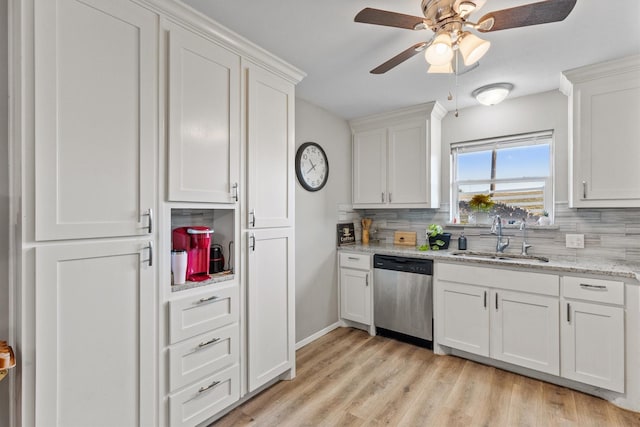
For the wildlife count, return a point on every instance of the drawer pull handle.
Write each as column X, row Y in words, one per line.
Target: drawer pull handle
column 213, row 384
column 354, row 258
column 211, row 298
column 206, row 343
column 593, row 287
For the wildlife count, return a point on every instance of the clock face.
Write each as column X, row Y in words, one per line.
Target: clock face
column 312, row 167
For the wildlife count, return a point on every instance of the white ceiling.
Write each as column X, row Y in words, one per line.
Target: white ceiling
column 320, row 38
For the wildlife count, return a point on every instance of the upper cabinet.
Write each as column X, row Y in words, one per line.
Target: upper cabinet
column 270, row 148
column 604, row 131
column 94, row 143
column 396, row 158
column 204, row 119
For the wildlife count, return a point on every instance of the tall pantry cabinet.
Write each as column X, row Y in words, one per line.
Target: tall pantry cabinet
column 90, row 190
column 97, row 171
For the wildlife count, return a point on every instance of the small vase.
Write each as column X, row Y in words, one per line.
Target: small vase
column 365, row 237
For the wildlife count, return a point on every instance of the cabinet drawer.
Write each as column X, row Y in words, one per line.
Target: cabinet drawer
column 202, row 312
column 203, row 355
column 359, row 261
column 520, row 281
column 205, row 398
column 598, row 290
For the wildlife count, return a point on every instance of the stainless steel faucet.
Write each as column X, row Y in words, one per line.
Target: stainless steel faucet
column 525, row 245
column 496, row 228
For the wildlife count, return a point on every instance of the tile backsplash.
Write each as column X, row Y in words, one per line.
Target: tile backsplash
column 611, row 235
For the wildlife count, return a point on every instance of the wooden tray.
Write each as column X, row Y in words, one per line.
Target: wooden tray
column 405, row 238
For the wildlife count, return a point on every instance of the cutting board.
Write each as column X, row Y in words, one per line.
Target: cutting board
column 404, row 238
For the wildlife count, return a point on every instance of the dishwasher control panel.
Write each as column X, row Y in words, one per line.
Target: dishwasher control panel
column 409, row 265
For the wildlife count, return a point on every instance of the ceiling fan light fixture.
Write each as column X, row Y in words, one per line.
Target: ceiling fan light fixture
column 440, row 69
column 440, row 51
column 472, row 48
column 492, row 94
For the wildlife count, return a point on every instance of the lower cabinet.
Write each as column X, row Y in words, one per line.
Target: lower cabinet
column 204, row 355
column 573, row 327
column 524, row 330
column 95, row 335
column 356, row 287
column 516, row 327
column 593, row 334
column 270, row 305
column 463, row 322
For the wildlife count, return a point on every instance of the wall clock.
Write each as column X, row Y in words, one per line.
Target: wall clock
column 312, row 166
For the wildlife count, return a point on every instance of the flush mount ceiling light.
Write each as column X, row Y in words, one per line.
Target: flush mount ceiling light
column 448, row 19
column 492, row 94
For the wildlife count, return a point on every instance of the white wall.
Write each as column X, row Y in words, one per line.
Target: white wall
column 316, row 218
column 543, row 111
column 4, row 207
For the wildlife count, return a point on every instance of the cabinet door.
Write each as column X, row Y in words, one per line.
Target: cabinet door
column 370, row 168
column 204, row 119
column 408, row 165
column 355, row 295
column 270, row 305
column 95, row 118
column 271, row 150
column 95, row 335
column 463, row 317
column 606, row 125
column 593, row 344
column 535, row 318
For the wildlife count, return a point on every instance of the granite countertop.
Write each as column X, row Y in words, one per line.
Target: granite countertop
column 586, row 267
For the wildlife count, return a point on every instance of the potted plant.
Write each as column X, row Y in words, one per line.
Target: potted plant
column 481, row 203
column 438, row 239
column 544, row 219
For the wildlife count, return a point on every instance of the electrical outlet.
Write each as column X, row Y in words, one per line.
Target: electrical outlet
column 575, row 241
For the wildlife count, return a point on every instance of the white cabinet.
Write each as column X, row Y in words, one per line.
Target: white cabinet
column 462, row 321
column 96, row 81
column 485, row 313
column 396, row 158
column 270, row 305
column 269, row 213
column 593, row 332
column 356, row 286
column 204, row 355
column 270, row 149
column 95, row 335
column 524, row 330
column 604, row 106
column 204, row 119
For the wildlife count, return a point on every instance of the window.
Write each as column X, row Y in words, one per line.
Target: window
column 515, row 172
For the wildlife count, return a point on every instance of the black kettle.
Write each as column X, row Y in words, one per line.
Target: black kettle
column 216, row 259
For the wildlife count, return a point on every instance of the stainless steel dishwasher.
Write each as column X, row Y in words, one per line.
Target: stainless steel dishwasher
column 403, row 295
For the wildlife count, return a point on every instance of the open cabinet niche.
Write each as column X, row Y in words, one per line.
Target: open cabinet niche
column 222, row 222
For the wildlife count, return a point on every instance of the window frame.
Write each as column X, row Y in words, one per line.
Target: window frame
column 490, row 144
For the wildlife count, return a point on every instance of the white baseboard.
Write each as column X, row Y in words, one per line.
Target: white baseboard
column 317, row 335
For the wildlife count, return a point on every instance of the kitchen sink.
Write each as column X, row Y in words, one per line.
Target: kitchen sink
column 498, row 255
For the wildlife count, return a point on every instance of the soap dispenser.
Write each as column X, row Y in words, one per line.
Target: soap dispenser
column 462, row 242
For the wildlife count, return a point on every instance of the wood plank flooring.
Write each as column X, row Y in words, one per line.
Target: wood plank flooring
column 347, row 378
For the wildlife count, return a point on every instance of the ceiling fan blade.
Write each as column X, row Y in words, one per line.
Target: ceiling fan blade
column 390, row 19
column 400, row 58
column 529, row 14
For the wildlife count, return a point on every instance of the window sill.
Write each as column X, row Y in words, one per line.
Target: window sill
column 507, row 226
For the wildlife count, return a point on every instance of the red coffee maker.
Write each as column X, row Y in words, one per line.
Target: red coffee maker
column 196, row 240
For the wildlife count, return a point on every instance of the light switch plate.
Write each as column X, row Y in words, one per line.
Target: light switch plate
column 575, row 241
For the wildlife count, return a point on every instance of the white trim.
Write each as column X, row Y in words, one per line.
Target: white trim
column 313, row 337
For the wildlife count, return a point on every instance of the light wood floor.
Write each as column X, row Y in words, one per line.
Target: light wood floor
column 347, row 378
